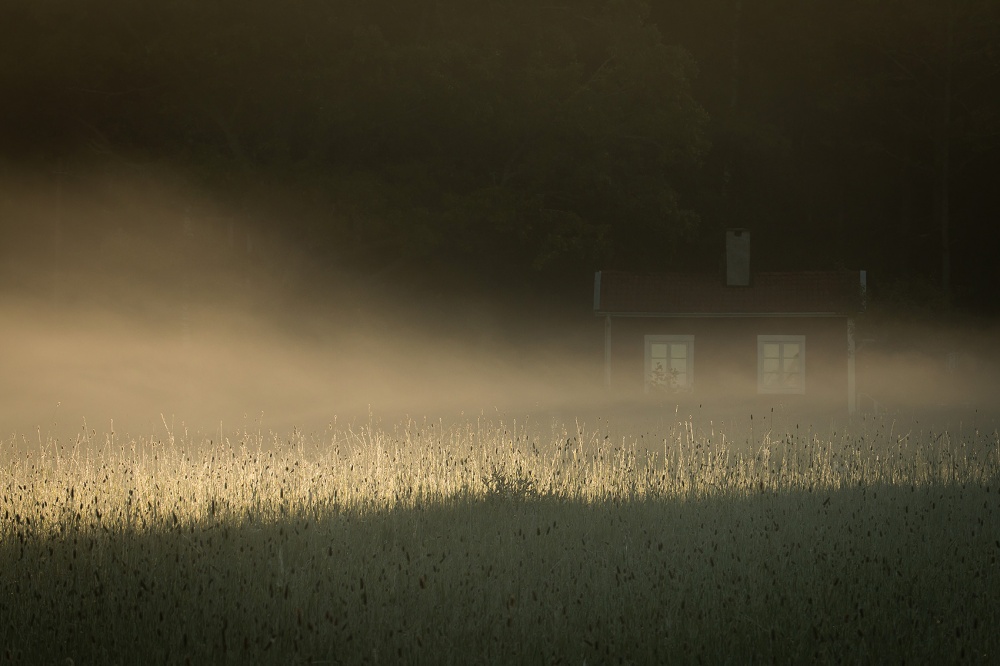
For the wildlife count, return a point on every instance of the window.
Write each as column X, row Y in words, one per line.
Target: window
column 669, row 365
column 781, row 364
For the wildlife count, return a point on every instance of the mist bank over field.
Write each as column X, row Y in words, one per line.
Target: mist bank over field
column 132, row 294
column 244, row 373
column 129, row 295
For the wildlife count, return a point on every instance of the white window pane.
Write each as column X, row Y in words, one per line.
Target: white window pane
column 781, row 364
column 669, row 362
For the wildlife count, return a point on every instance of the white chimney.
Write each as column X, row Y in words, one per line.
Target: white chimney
column 737, row 258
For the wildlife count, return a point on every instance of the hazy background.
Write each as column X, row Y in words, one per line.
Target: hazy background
column 218, row 210
column 129, row 296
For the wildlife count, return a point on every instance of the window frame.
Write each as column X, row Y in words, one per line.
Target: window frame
column 781, row 341
column 650, row 340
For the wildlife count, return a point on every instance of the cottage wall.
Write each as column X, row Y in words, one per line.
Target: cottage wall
column 725, row 359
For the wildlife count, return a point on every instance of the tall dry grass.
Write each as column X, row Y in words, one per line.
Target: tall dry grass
column 493, row 542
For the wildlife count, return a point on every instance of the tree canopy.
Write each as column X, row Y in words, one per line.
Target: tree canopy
column 511, row 137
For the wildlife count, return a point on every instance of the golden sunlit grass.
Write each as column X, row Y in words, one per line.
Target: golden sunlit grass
column 489, row 543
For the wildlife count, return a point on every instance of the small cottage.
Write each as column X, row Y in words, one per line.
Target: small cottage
column 734, row 338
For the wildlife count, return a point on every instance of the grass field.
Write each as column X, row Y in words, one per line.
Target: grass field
column 491, row 542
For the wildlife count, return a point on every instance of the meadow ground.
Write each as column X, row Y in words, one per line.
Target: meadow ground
column 484, row 541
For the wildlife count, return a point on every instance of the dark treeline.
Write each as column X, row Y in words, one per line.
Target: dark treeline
column 526, row 143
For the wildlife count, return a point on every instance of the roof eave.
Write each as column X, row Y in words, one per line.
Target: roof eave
column 717, row 315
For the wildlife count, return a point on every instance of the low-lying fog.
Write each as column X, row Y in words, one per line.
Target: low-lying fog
column 129, row 298
column 240, row 370
column 126, row 298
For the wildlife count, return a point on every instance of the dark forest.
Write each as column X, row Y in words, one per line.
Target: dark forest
column 522, row 145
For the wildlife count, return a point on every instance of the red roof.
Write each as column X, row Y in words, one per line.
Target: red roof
column 820, row 293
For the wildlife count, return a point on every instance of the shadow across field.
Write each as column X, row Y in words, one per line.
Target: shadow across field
column 874, row 574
